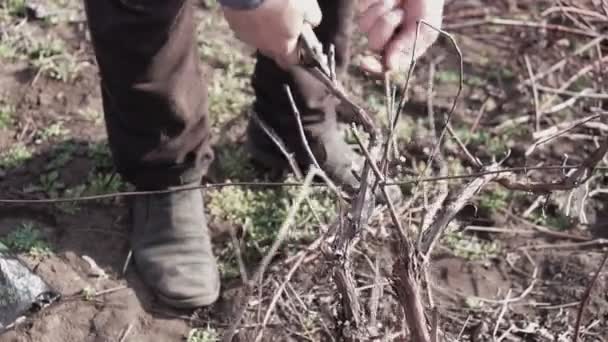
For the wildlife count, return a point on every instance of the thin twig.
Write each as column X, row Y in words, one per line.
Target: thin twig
column 125, row 334
column 501, row 314
column 259, row 274
column 535, row 93
column 586, row 297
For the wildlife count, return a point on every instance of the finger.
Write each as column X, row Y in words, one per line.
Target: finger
column 289, row 56
column 371, row 65
column 398, row 52
column 311, row 11
column 364, row 5
column 384, row 29
column 375, row 12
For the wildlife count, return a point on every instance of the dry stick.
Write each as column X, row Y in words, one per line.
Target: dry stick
column 512, row 22
column 501, row 314
column 406, row 267
column 595, row 96
column 452, row 207
column 569, row 183
column 456, row 98
column 572, row 126
column 566, row 104
column 463, row 147
column 573, row 79
column 562, row 62
column 259, row 274
column 537, row 113
column 552, row 131
column 298, row 117
column 239, row 256
column 125, row 334
column 586, row 297
column 573, row 245
column 281, row 288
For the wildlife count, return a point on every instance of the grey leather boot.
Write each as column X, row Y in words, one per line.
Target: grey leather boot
column 172, row 249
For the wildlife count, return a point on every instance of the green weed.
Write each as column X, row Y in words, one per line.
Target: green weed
column 102, row 183
column 51, row 58
column 203, row 335
column 231, row 92
column 494, row 199
column 26, row 238
column 16, row 8
column 14, row 156
column 233, row 162
column 49, row 184
column 101, row 155
column 470, row 247
column 7, row 113
column 261, row 212
column 55, row 130
column 494, row 145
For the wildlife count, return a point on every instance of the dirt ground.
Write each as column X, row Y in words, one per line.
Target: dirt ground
column 512, row 270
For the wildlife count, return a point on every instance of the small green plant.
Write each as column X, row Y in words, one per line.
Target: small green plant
column 494, row 199
column 7, row 113
column 261, row 212
column 448, row 76
column 88, row 293
column 50, row 58
column 26, row 238
column 203, row 335
column 492, row 144
column 470, row 247
column 233, row 163
column 102, row 183
column 48, row 183
column 55, row 130
column 16, row 8
column 556, row 220
column 14, row 156
column 101, row 155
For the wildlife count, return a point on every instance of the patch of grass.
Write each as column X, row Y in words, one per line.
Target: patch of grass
column 554, row 220
column 233, row 162
column 7, row 114
column 15, row 8
column 470, row 247
column 101, row 155
column 14, row 156
column 231, row 92
column 261, row 211
column 62, row 155
column 102, row 183
column 27, row 238
column 493, row 199
column 55, row 130
column 448, row 76
column 203, row 335
column 492, row 144
column 49, row 184
column 51, row 58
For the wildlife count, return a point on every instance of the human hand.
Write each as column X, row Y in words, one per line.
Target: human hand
column 274, row 27
column 390, row 26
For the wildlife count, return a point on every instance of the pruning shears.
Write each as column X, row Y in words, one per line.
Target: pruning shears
column 311, row 51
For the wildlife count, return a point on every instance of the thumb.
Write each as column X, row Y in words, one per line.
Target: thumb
column 311, row 12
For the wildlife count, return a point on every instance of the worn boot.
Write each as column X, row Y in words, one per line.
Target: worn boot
column 172, row 249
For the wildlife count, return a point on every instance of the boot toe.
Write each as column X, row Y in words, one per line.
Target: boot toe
column 179, row 279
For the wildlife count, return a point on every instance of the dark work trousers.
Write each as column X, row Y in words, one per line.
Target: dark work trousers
column 155, row 94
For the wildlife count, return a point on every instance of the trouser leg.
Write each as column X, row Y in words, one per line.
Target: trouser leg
column 154, row 93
